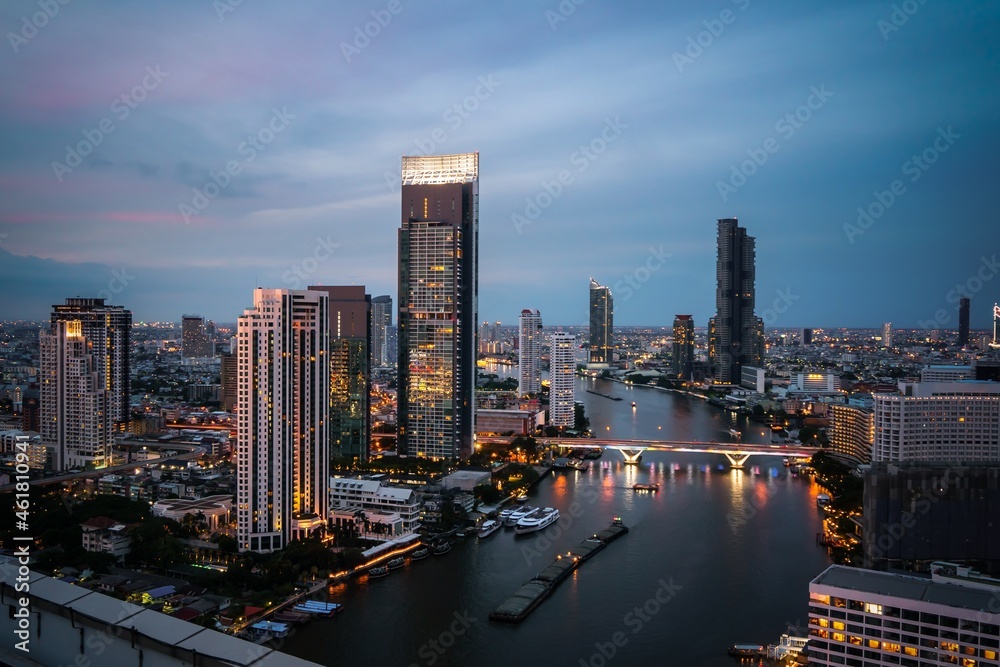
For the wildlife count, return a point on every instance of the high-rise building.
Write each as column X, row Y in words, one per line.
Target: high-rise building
column 76, row 422
column 938, row 422
column 229, row 381
column 350, row 370
column 887, row 335
column 562, row 380
column 283, row 449
column 381, row 321
column 996, row 325
column 438, row 305
column 737, row 334
column 864, row 617
column 683, row 346
column 529, row 352
column 807, row 336
column 852, row 433
column 194, row 338
column 108, row 330
column 963, row 321
column 602, row 325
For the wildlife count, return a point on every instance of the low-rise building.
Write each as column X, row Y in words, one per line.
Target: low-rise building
column 372, row 496
column 104, row 535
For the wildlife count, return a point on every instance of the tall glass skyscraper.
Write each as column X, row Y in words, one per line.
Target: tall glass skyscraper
column 381, row 321
column 438, row 305
column 529, row 353
column 683, row 348
column 736, row 334
column 602, row 324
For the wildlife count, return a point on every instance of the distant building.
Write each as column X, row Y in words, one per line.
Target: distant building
column 916, row 513
column 887, row 335
column 562, row 380
column 602, row 325
column 807, row 336
column 106, row 536
column 283, row 450
column 752, row 378
column 194, row 339
column 963, row 321
column 228, row 372
column 942, row 373
column 381, row 322
column 520, row 422
column 983, row 369
column 852, row 433
column 938, row 422
column 350, row 370
column 529, row 352
column 862, row 617
column 814, row 383
column 737, row 335
column 372, row 495
column 683, row 349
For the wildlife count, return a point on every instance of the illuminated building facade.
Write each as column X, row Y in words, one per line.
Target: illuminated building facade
column 852, row 433
column 683, row 346
column 195, row 341
column 438, row 305
column 562, row 378
column 381, row 322
column 602, row 325
column 529, row 352
column 283, row 448
column 736, row 334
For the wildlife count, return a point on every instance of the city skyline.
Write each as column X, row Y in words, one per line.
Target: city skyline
column 180, row 110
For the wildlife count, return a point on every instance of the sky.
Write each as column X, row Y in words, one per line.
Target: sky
column 172, row 156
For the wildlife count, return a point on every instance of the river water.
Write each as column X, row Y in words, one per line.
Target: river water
column 716, row 557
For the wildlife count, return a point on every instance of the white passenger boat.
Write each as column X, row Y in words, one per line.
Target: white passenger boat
column 488, row 528
column 537, row 521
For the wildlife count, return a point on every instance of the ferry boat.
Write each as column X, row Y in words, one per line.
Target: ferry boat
column 521, row 498
column 421, row 553
column 645, row 487
column 505, row 515
column 396, row 563
column 318, row 608
column 272, row 628
column 379, row 571
column 746, row 650
column 736, row 434
column 519, row 514
column 633, row 405
column 539, row 521
column 822, row 499
column 595, row 453
column 442, row 549
column 488, row 528
column 577, row 464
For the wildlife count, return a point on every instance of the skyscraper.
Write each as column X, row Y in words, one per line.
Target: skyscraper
column 438, row 305
column 381, row 321
column 737, row 334
column 683, row 346
column 562, row 380
column 807, row 336
column 963, row 321
column 108, row 331
column 76, row 422
column 283, row 449
column 602, row 324
column 887, row 335
column 530, row 352
column 194, row 338
column 350, row 370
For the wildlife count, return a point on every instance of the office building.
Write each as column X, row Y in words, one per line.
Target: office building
column 683, row 350
column 529, row 352
column 350, row 370
column 963, row 321
column 195, row 341
column 602, row 325
column 946, row 373
column 852, row 433
column 807, row 336
column 108, row 331
column 562, row 380
column 737, row 335
column 229, row 380
column 867, row 618
column 938, row 422
column 915, row 513
column 752, row 378
column 438, row 305
column 381, row 321
column 887, row 335
column 814, row 383
column 283, row 448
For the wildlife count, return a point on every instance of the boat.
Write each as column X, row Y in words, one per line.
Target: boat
column 291, row 617
column 421, row 553
column 746, row 650
column 505, row 514
column 270, row 627
column 396, row 563
column 595, row 453
column 488, row 528
column 525, row 511
column 522, row 497
column 461, row 533
column 537, row 521
column 560, row 462
column 822, row 499
column 736, row 434
column 379, row 571
column 318, row 608
column 645, row 487
column 442, row 549
column 577, row 464
column 633, row 405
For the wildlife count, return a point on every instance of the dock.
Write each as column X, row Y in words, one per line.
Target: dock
column 517, row 607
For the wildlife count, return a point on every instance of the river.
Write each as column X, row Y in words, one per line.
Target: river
column 716, row 557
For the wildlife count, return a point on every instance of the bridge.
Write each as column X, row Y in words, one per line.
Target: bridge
column 736, row 452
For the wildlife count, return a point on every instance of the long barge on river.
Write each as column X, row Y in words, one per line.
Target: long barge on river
column 517, row 607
